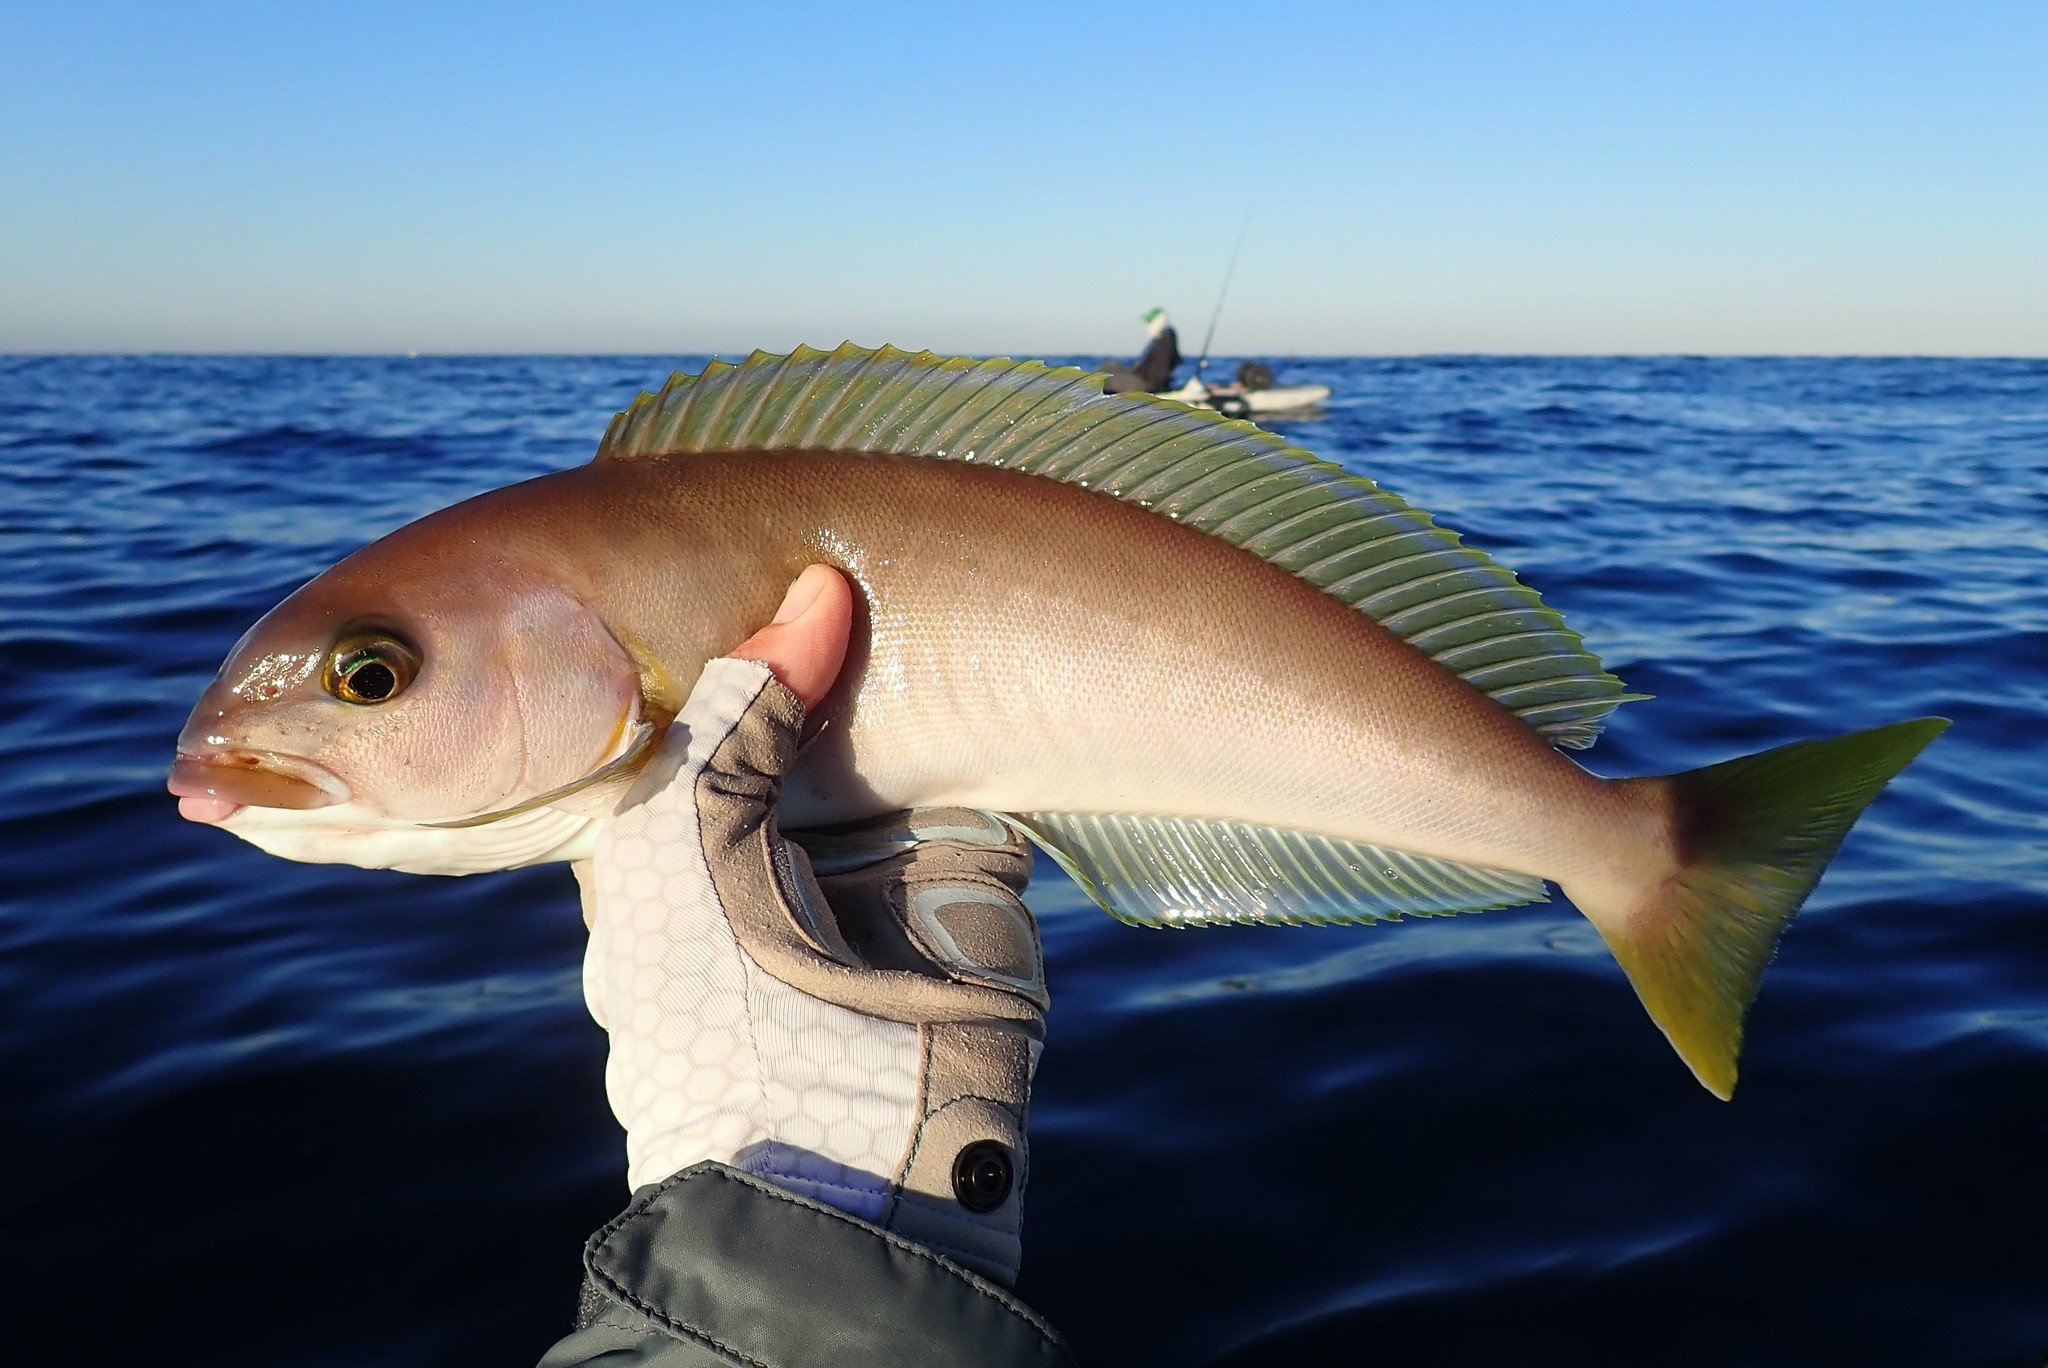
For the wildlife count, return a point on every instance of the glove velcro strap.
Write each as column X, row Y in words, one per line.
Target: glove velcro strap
column 976, row 1080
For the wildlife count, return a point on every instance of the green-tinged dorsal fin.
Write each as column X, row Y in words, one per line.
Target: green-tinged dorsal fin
column 1339, row 531
column 1180, row 871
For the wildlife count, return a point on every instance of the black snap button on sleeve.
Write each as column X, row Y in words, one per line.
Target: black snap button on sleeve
column 982, row 1176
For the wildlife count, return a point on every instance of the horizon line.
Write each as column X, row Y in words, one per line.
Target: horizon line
column 724, row 352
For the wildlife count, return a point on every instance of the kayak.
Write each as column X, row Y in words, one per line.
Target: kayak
column 1235, row 401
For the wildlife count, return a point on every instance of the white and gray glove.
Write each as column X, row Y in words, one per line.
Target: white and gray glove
column 864, row 1035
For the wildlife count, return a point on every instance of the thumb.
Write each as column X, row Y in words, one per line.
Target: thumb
column 806, row 643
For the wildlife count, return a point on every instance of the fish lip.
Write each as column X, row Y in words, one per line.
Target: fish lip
column 250, row 778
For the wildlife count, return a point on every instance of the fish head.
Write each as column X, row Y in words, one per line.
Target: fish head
column 413, row 685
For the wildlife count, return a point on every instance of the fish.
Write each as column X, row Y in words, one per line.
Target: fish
column 1215, row 678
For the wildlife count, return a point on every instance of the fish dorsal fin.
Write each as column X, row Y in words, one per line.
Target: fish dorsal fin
column 1340, row 532
column 1179, row 871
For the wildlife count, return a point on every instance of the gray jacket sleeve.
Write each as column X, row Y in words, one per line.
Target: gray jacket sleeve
column 719, row 1267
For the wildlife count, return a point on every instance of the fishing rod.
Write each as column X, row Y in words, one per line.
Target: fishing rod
column 1216, row 315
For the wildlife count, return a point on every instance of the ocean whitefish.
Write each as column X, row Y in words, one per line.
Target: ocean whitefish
column 1217, row 679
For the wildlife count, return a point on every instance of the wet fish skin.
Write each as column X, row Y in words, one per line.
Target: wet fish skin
column 1032, row 646
column 1025, row 645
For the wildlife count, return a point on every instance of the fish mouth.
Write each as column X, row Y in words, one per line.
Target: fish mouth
column 214, row 785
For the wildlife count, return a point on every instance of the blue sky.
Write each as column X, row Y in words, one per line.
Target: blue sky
column 1425, row 177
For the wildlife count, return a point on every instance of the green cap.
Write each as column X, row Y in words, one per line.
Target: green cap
column 1150, row 314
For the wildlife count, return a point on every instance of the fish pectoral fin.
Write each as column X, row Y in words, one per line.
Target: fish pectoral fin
column 1185, row 871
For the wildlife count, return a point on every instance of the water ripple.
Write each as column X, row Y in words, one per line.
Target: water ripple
column 1453, row 1141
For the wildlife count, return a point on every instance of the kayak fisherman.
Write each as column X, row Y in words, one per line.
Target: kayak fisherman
column 1154, row 370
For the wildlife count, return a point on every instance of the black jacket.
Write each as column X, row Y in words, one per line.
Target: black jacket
column 719, row 1267
column 1161, row 359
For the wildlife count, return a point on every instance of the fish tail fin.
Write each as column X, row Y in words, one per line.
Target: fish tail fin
column 1751, row 837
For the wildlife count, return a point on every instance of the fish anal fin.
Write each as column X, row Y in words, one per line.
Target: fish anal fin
column 1182, row 872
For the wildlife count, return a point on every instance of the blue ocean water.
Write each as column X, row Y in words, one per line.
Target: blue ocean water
column 266, row 1113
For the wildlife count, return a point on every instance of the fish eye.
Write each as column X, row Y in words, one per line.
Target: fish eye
column 369, row 670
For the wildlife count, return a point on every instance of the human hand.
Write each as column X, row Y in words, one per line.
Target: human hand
column 864, row 1034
